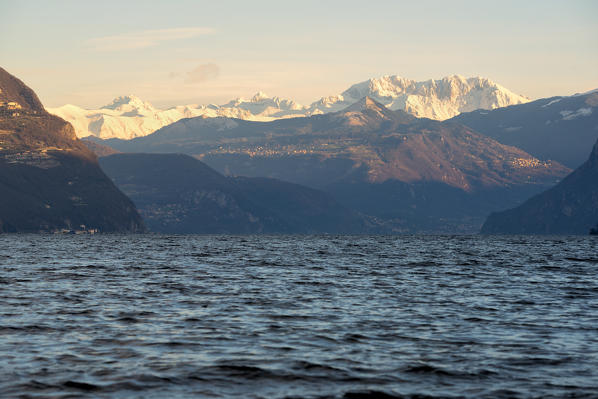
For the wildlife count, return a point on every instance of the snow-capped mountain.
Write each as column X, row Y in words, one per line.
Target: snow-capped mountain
column 435, row 99
column 263, row 105
column 129, row 117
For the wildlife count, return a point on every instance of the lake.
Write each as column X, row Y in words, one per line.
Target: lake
column 155, row 316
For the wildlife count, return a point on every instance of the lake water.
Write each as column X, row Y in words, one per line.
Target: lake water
column 147, row 316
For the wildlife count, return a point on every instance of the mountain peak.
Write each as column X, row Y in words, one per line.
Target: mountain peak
column 14, row 93
column 366, row 103
column 260, row 96
column 457, row 77
column 367, row 110
column 130, row 100
column 40, row 158
column 440, row 99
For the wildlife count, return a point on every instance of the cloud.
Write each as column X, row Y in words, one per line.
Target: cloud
column 146, row 38
column 202, row 73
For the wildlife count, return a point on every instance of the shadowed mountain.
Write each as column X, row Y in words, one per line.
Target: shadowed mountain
column 557, row 128
column 368, row 157
column 49, row 180
column 571, row 207
column 176, row 193
column 99, row 149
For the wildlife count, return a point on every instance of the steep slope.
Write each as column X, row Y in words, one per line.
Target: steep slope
column 381, row 162
column 129, row 117
column 557, row 128
column 99, row 149
column 178, row 194
column 48, row 179
column 570, row 207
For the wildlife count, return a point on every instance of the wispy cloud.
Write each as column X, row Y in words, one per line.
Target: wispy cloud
column 202, row 73
column 145, row 38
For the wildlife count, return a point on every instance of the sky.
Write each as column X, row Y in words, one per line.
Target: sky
column 181, row 52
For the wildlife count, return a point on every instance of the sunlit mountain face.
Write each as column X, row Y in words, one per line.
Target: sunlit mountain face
column 129, row 117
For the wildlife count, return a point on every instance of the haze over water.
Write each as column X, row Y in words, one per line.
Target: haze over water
column 298, row 316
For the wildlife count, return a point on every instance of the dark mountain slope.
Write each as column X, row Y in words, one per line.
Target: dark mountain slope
column 48, row 179
column 558, row 128
column 178, row 194
column 99, row 149
column 427, row 207
column 298, row 205
column 571, row 207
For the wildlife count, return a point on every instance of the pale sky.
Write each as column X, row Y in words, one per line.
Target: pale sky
column 179, row 52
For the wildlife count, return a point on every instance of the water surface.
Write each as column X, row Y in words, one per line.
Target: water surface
column 150, row 316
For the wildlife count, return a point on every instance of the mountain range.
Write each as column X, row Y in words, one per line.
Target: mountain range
column 129, row 117
column 366, row 168
column 49, row 180
column 416, row 174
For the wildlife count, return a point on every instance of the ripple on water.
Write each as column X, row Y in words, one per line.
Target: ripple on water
column 298, row 316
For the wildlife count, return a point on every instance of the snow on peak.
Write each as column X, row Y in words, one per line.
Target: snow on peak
column 129, row 116
column 435, row 99
column 260, row 96
column 384, row 87
column 129, row 100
